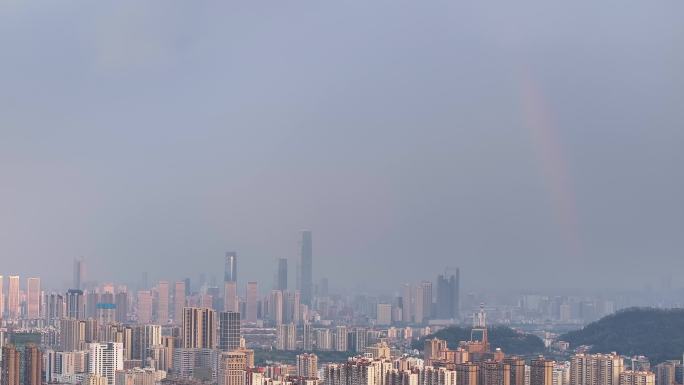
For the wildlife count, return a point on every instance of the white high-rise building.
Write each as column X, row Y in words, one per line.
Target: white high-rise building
column 105, row 359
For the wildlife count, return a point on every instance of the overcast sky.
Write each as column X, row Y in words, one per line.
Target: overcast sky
column 533, row 144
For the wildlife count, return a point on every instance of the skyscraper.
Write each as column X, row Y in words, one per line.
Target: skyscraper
column 105, row 359
column 144, row 307
column 541, row 371
column 79, row 273
column 10, row 365
column 230, row 297
column 427, row 299
column 230, row 274
column 33, row 298
column 162, row 302
column 448, row 303
column 281, row 282
column 199, row 325
column 306, row 263
column 75, row 304
column 13, row 309
column 307, row 365
column 33, row 365
column 251, row 302
column 179, row 301
column 229, row 330
column 2, row 297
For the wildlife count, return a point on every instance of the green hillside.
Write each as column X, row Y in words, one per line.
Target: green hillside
column 655, row 333
column 509, row 340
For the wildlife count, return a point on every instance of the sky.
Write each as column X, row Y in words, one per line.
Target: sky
column 533, row 144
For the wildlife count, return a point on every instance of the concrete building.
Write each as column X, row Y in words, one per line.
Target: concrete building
column 541, row 371
column 629, row 377
column 229, row 330
column 232, row 368
column 199, row 326
column 179, row 302
column 307, row 365
column 104, row 359
column 252, row 295
column 162, row 315
column 33, row 298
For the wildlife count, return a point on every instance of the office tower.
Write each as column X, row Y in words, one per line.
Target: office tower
column 541, row 371
column 230, row 274
column 121, row 301
column 33, row 365
column 252, row 296
column 199, row 325
column 630, row 377
column 307, row 365
column 384, row 314
column 517, row 370
column 179, row 301
column 33, row 298
column 229, row 330
column 596, row 369
column 144, row 307
column 10, row 365
column 281, row 276
column 286, row 338
column 163, row 303
column 448, row 295
column 79, row 273
column 340, row 339
column 104, row 359
column 230, row 297
column 232, row 368
column 306, row 263
column 275, row 304
column 75, row 304
column 13, row 309
column 427, row 299
column 2, row 298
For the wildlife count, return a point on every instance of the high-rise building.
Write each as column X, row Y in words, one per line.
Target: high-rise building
column 179, row 301
column 150, row 337
column 275, row 305
column 79, row 273
column 75, row 304
column 230, row 274
column 54, row 307
column 252, row 296
column 307, row 365
column 33, row 298
column 33, row 365
column 384, row 314
column 10, row 365
column 306, row 263
column 541, row 371
column 144, row 307
column 232, row 368
column 307, row 336
column 104, row 359
column 229, row 330
column 72, row 334
column 323, row 339
column 427, row 299
column 230, row 296
column 467, row 373
column 121, row 302
column 286, row 338
column 340, row 338
column 517, row 370
column 493, row 372
column 448, row 302
column 13, row 309
column 596, row 369
column 163, row 302
column 281, row 276
column 199, row 326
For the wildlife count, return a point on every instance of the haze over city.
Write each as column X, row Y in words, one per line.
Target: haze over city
column 532, row 144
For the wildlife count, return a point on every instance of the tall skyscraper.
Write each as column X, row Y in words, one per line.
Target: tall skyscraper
column 306, row 263
column 10, row 365
column 121, row 302
column 13, row 309
column 281, row 281
column 162, row 303
column 33, row 365
column 230, row 296
column 79, row 273
column 179, row 302
column 229, row 330
column 75, row 304
column 427, row 299
column 448, row 300
column 252, row 296
column 230, row 274
column 33, row 298
column 199, row 326
column 144, row 307
column 541, row 371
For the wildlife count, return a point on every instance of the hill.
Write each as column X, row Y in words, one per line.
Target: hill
column 509, row 340
column 655, row 333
